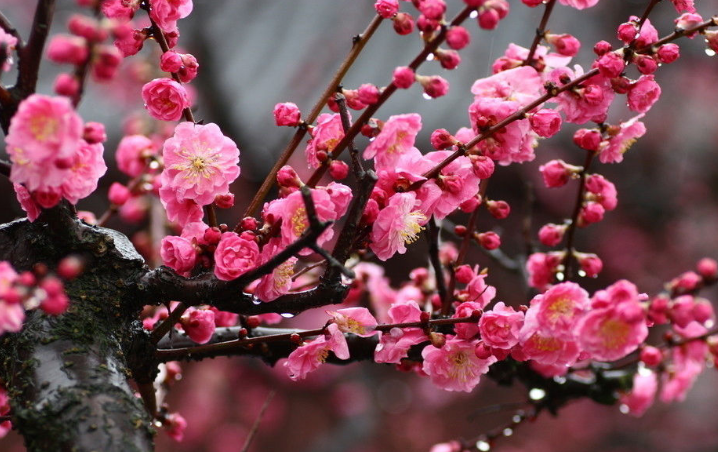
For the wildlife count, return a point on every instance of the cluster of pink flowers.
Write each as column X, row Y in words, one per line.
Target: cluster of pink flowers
column 53, row 155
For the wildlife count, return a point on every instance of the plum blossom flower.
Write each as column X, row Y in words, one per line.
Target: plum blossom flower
column 87, row 167
column 542, row 347
column 325, row 136
column 559, row 308
column 396, row 225
column 394, row 345
column 235, row 254
column 165, row 99
column 455, row 366
column 309, row 356
column 167, row 12
column 178, row 253
column 279, row 282
column 200, row 163
column 643, row 94
column 643, row 393
column 198, row 324
column 397, row 137
column 357, row 321
column 500, row 326
column 132, row 154
column 612, row 150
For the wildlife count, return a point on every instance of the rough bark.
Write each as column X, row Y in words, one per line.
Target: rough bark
column 68, row 375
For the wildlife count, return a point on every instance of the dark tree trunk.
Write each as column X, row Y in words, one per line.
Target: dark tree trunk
column 68, row 375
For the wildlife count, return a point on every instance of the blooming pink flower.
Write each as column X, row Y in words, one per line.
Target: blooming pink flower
column 309, row 356
column 684, row 6
column 357, row 321
column 396, row 225
column 200, row 163
column 120, row 9
column 612, row 150
column 181, row 212
column 198, row 324
column 543, row 347
column 234, row 256
column 167, row 12
column 611, row 333
column 325, row 136
column 522, row 85
column 455, row 366
column 643, row 393
column 500, row 326
column 643, row 94
column 516, row 141
column 559, row 308
column 394, row 345
column 588, row 103
column 602, row 190
column 480, row 292
column 457, row 183
column 397, row 137
column 132, row 154
column 165, row 99
column 11, row 317
column 279, row 282
column 87, row 168
column 178, row 253
column 541, row 268
column 42, row 140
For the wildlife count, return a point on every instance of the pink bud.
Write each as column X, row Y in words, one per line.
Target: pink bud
column 224, row 201
column 588, row 139
column 627, row 32
column 565, row 44
column 287, row 177
column 107, row 60
column 449, row 59
column 668, row 53
column 66, row 49
column 707, row 268
column 469, row 205
column 482, row 166
column 532, row 3
column 338, row 170
column 488, row 19
column 681, row 312
column 482, row 351
column 131, row 43
column 94, row 132
column 590, row 264
column 213, row 235
column 498, row 209
column 70, row 267
column 171, row 61
column 403, row 77
column 442, row 139
column 703, row 311
column 368, row 93
column 432, row 9
column 489, row 240
column 66, row 85
column 464, row 274
column 457, row 37
column 645, row 64
column 52, row 286
column 86, row 27
column 602, row 47
column 610, row 65
column 591, row 212
column 371, row 211
column 387, row 8
column 426, row 25
column 287, row 114
column 688, row 20
column 545, row 122
column 26, row 279
column 551, row 234
column 118, row 194
column 557, row 173
column 651, row 356
column 249, row 224
column 55, row 304
column 434, row 86
column 198, row 324
column 175, row 426
column 403, row 24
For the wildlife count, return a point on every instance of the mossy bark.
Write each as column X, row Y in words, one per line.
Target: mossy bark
column 68, row 375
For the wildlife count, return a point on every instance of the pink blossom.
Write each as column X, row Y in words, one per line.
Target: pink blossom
column 643, row 94
column 387, row 8
column 591, row 212
column 684, row 6
column 181, row 212
column 26, row 202
column 557, row 173
column 612, row 150
column 516, row 141
column 357, row 321
column 87, row 168
column 67, row 49
column 434, row 86
column 132, row 154
column 309, row 356
column 287, row 114
column 545, row 122
column 120, row 9
column 403, row 24
column 456, row 183
column 178, row 253
column 325, row 136
column 457, row 37
column 543, row 347
column 522, row 85
column 131, row 43
column 565, row 44
column 559, row 308
column 279, row 282
column 167, row 12
column 165, row 99
column 198, row 324
column 579, row 4
column 118, row 194
column 11, row 317
column 611, row 333
column 42, row 140
column 588, row 103
column 175, row 426
column 455, row 366
column 397, row 137
column 9, row 42
column 551, row 234
column 466, row 330
column 397, row 225
column 480, row 292
column 643, row 393
column 541, row 268
column 610, row 64
column 234, row 256
column 394, row 345
column 403, row 77
column 200, row 163
column 500, row 326
column 603, row 191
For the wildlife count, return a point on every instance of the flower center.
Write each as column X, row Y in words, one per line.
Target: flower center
column 411, row 230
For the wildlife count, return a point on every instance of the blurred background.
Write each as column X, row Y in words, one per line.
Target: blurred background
column 256, row 53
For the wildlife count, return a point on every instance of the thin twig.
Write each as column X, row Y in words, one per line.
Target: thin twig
column 357, row 166
column 358, row 45
column 432, row 236
column 571, row 230
column 540, row 32
column 255, row 426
